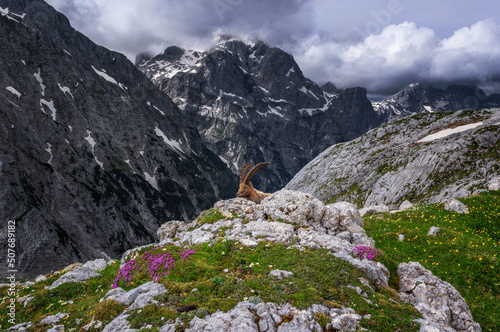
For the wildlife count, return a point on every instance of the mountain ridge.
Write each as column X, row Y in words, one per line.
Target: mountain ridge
column 417, row 98
column 423, row 158
column 93, row 155
column 251, row 102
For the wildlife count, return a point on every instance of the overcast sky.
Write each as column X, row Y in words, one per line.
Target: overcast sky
column 381, row 45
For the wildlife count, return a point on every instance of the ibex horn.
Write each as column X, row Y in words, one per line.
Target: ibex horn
column 253, row 170
column 243, row 172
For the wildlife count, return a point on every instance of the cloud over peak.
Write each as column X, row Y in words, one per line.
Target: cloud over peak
column 380, row 45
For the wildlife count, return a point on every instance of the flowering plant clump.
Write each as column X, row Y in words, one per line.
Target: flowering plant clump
column 366, row 252
column 157, row 264
column 125, row 273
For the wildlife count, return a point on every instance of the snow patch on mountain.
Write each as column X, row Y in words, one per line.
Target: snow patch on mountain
column 50, row 105
column 65, row 89
column 151, row 179
column 13, row 91
column 38, row 77
column 108, row 78
column 447, row 132
column 92, row 143
column 173, row 144
column 49, row 150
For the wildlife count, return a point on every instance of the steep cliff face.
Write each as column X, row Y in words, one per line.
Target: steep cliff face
column 251, row 103
column 93, row 157
column 421, row 158
column 417, row 98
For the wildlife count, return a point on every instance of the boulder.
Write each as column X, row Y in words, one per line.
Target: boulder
column 405, row 205
column 294, row 207
column 290, row 217
column 78, row 274
column 281, row 274
column 54, row 319
column 168, row 229
column 440, row 304
column 374, row 209
column 138, row 297
column 494, row 184
column 348, row 212
column 119, row 324
column 433, row 231
column 376, row 272
column 455, row 205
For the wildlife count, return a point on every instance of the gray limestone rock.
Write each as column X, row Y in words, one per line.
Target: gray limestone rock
column 119, row 324
column 25, row 300
column 348, row 213
column 336, row 227
column 96, row 265
column 41, row 277
column 168, row 229
column 294, row 207
column 264, row 317
column 138, row 297
column 374, row 209
column 249, row 243
column 54, row 319
column 494, row 184
column 21, row 327
column 78, row 274
column 405, row 205
column 57, row 328
column 433, row 231
column 439, row 302
column 455, row 205
column 281, row 274
column 376, row 272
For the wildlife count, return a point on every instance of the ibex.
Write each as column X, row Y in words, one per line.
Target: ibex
column 246, row 188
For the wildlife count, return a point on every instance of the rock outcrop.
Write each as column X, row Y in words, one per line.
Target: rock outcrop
column 424, row 158
column 285, row 216
column 93, row 156
column 440, row 304
column 252, row 103
column 81, row 272
column 269, row 317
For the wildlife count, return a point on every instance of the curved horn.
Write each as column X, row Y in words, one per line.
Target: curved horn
column 253, row 170
column 243, row 171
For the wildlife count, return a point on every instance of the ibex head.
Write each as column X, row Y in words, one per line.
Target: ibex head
column 246, row 188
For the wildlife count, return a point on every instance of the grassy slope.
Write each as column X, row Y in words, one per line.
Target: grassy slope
column 465, row 252
column 319, row 278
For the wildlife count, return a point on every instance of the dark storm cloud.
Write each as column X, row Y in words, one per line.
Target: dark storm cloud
column 381, row 45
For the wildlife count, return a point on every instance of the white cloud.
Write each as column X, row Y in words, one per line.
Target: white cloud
column 378, row 45
column 471, row 52
column 404, row 53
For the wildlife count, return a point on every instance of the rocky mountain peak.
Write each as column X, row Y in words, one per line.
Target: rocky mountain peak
column 329, row 87
column 252, row 103
column 417, row 98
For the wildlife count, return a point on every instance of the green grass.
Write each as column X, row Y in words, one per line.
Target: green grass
column 464, row 253
column 217, row 278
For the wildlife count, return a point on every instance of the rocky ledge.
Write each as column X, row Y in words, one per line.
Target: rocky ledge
column 286, row 216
